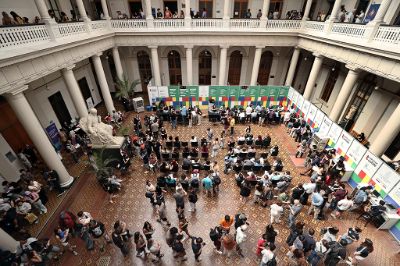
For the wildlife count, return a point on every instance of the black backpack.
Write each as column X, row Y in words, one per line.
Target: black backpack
column 214, row 236
column 217, row 180
column 272, row 262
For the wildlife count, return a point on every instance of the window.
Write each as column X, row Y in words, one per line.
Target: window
column 235, row 67
column 330, row 82
column 174, row 65
column 240, row 8
column 205, row 61
column 144, row 68
column 276, row 5
column 208, row 5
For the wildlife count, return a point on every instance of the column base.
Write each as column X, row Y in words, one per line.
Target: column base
column 68, row 183
column 150, row 22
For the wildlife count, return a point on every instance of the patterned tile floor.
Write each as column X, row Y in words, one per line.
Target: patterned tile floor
column 132, row 207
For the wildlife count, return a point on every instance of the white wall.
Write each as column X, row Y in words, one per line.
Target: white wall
column 8, row 170
column 23, row 8
column 40, row 90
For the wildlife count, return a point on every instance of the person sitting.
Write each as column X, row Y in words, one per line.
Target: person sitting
column 373, row 212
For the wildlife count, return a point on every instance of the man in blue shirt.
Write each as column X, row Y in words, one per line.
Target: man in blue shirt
column 207, row 185
column 316, row 203
column 183, row 114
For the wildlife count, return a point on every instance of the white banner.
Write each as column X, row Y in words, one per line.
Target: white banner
column 344, row 142
column 355, row 153
column 153, row 93
column 386, row 178
column 163, row 92
column 300, row 101
column 290, row 93
column 203, row 91
column 369, row 164
column 325, row 126
column 334, row 134
column 319, row 117
column 312, row 111
column 305, row 107
column 295, row 97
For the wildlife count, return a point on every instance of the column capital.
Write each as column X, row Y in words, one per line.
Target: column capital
column 153, row 47
column 353, row 68
column 317, row 55
column 297, row 47
column 67, row 68
column 224, row 46
column 260, row 47
column 16, row 92
column 97, row 54
column 115, row 47
column 189, row 46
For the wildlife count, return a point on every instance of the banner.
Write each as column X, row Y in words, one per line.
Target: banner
column 163, row 92
column 54, row 135
column 295, row 97
column 355, row 153
column 153, row 94
column 394, row 194
column 263, row 95
column 365, row 169
column 319, row 117
column 290, row 93
column 334, row 134
column 305, row 107
column 300, row 101
column 370, row 15
column 343, row 143
column 325, row 126
column 193, row 95
column 173, row 96
column 273, row 95
column 384, row 180
column 312, row 111
column 282, row 97
column 234, row 96
column 253, row 94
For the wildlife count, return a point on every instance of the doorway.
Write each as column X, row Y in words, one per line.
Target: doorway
column 135, row 7
column 265, row 68
column 85, row 90
column 240, row 8
column 174, row 66
column 208, row 5
column 205, row 64
column 60, row 108
column 172, row 6
column 235, row 68
column 144, row 69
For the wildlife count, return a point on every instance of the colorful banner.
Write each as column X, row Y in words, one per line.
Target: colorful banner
column 319, row 117
column 365, row 169
column 153, row 94
column 193, row 95
column 253, row 94
column 334, row 134
column 263, row 95
column 295, row 97
column 299, row 105
column 384, row 180
column 290, row 93
column 173, row 96
column 355, row 153
column 203, row 97
column 312, row 111
column 394, row 194
column 273, row 95
column 325, row 126
column 282, row 98
column 234, row 96
column 343, row 143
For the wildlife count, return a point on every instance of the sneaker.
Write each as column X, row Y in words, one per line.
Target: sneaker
column 218, row 251
column 75, row 253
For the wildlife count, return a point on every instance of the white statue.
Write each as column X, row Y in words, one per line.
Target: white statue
column 98, row 132
column 352, row 111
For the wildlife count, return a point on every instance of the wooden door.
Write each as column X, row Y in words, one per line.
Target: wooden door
column 144, row 69
column 240, row 8
column 265, row 68
column 205, row 62
column 235, row 68
column 174, row 66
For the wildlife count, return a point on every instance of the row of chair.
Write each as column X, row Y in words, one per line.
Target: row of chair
column 205, row 155
column 195, row 144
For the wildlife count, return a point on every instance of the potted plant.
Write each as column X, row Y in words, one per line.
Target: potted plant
column 125, row 91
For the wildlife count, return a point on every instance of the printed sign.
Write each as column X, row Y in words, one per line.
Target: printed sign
column 54, row 136
column 334, row 134
column 319, row 117
column 355, row 153
column 305, row 107
column 343, row 143
column 386, row 178
column 325, row 126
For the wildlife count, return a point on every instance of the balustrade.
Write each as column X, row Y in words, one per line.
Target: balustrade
column 244, row 23
column 314, row 26
column 21, row 35
column 207, row 23
column 351, row 30
column 387, row 34
column 73, row 28
column 129, row 24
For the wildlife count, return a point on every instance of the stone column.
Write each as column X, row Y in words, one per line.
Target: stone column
column 101, row 77
column 29, row 121
column 344, row 94
column 7, row 242
column 292, row 67
column 188, row 18
column 75, row 91
column 222, row 65
column 265, row 9
column 387, row 134
column 335, row 11
column 156, row 65
column 82, row 10
column 43, row 11
column 117, row 63
column 189, row 64
column 316, row 67
column 256, row 65
column 307, row 10
column 105, row 9
column 226, row 10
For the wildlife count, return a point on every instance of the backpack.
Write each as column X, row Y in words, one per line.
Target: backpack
column 272, row 262
column 217, row 180
column 214, row 235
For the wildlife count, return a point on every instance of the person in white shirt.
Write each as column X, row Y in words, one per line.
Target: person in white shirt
column 342, row 206
column 360, row 17
column 275, row 15
column 84, row 218
column 267, row 254
column 276, row 212
column 240, row 238
column 308, row 189
column 349, row 17
column 249, row 110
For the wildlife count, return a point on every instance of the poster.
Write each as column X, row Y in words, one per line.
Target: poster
column 153, row 94
column 343, row 143
column 370, row 15
column 319, row 117
column 295, row 96
column 312, row 111
column 290, row 93
column 395, row 193
column 355, row 153
column 203, row 91
column 365, row 169
column 54, row 136
column 163, row 92
column 300, row 101
column 334, row 134
column 385, row 179
column 325, row 126
column 305, row 107
column 234, row 96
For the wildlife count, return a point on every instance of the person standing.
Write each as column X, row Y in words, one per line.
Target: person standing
column 207, row 185
column 232, row 124
column 140, row 245
column 226, row 223
column 268, row 256
column 316, row 203
column 179, row 249
column 192, row 199
column 216, row 236
column 197, row 246
column 240, row 238
column 295, row 209
column 276, row 212
column 228, row 242
column 173, row 117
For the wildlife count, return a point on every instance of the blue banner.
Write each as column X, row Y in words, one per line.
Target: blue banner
column 54, row 136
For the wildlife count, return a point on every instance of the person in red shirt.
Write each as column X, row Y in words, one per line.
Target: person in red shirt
column 261, row 244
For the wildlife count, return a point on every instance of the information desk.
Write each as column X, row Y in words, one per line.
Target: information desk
column 390, row 216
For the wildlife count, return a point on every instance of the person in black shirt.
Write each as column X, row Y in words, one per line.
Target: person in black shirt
column 296, row 192
column 197, row 245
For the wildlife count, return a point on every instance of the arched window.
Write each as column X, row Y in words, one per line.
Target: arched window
column 205, row 61
column 144, row 68
column 265, row 68
column 235, row 67
column 174, row 66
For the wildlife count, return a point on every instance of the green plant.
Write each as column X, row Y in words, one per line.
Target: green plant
column 101, row 164
column 125, row 88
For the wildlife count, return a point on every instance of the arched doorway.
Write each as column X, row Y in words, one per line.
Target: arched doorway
column 265, row 68
column 174, row 66
column 235, row 67
column 205, row 61
column 144, row 69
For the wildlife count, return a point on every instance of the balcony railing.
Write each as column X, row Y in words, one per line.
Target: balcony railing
column 23, row 35
column 18, row 36
column 388, row 34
